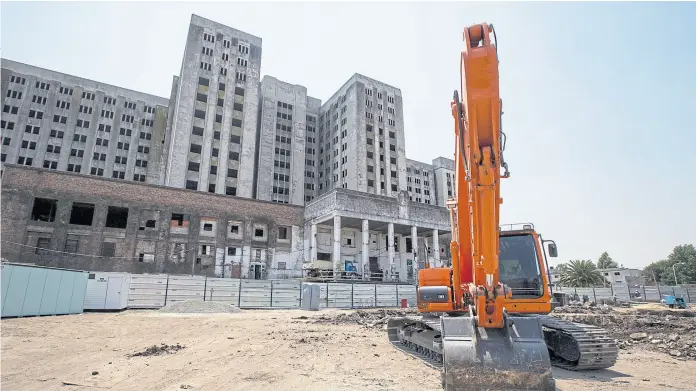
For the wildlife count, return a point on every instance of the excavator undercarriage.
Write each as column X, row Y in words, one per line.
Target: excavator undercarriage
column 493, row 359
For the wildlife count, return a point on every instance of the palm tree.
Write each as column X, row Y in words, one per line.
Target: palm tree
column 581, row 273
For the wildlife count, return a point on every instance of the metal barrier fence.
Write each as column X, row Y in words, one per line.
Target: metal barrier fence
column 158, row 290
column 647, row 293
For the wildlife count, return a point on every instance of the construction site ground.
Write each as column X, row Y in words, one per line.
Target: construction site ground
column 280, row 350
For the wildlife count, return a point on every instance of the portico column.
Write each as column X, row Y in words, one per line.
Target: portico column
column 366, row 250
column 436, row 249
column 337, row 246
column 313, row 243
column 415, row 251
column 390, row 247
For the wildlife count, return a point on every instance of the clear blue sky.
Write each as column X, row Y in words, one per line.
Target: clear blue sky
column 599, row 98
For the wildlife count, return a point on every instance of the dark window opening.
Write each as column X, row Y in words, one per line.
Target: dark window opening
column 81, row 213
column 208, row 227
column 234, row 229
column 192, row 185
column 409, row 249
column 211, row 188
column 282, row 232
column 117, row 217
column 178, row 218
column 44, row 210
column 230, row 190
column 150, row 224
column 259, row 233
column 231, row 251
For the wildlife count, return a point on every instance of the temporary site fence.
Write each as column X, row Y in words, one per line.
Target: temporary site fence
column 158, row 290
column 625, row 292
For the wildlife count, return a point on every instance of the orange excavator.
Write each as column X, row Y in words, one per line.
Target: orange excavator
column 484, row 321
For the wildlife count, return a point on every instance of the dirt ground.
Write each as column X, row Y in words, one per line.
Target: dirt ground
column 255, row 350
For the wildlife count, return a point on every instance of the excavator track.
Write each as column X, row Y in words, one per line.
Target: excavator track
column 511, row 359
column 576, row 346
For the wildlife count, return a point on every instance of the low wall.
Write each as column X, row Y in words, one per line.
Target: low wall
column 158, row 290
column 625, row 292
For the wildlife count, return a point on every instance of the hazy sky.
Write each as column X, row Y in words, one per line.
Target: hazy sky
column 599, row 98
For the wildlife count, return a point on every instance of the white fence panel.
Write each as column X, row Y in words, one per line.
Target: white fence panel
column 386, row 295
column 339, row 295
column 323, row 295
column 652, row 293
column 285, row 293
column 147, row 291
column 185, row 288
column 407, row 292
column 256, row 294
column 225, row 290
column 603, row 294
column 621, row 292
column 363, row 295
column 691, row 292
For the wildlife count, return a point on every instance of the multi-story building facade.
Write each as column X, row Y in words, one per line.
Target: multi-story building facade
column 212, row 139
column 444, row 179
column 420, row 182
column 226, row 132
column 286, row 143
column 66, row 123
column 361, row 139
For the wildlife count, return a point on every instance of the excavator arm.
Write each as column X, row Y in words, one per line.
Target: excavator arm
column 478, row 159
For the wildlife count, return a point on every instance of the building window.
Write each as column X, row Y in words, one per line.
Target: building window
column 116, row 217
column 108, row 249
column 283, row 233
column 192, row 185
column 42, row 244
column 44, row 210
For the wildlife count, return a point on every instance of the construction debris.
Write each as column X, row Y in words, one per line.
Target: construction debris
column 670, row 332
column 199, row 307
column 366, row 317
column 155, row 350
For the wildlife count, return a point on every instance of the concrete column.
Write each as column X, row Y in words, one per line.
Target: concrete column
column 414, row 249
column 337, row 246
column 313, row 243
column 366, row 250
column 390, row 248
column 436, row 249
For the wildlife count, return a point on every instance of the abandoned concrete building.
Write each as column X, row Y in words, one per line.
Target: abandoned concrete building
column 234, row 143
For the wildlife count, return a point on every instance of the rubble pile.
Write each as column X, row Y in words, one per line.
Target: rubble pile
column 367, row 317
column 587, row 308
column 670, row 332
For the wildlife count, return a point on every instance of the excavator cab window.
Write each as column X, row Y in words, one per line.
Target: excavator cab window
column 519, row 266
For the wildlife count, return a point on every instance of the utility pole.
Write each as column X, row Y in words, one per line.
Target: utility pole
column 674, row 274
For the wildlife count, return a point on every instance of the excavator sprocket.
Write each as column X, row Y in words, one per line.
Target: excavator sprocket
column 577, row 346
column 472, row 358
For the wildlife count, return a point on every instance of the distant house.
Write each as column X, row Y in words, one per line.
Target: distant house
column 623, row 275
column 554, row 275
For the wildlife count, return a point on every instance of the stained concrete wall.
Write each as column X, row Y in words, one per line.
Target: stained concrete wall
column 421, row 187
column 363, row 101
column 83, row 108
column 175, row 248
column 277, row 135
column 186, row 103
column 350, row 203
column 444, row 174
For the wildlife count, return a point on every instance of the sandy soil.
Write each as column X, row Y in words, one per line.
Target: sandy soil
column 254, row 350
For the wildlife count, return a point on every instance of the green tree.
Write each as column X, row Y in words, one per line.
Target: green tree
column 605, row 262
column 581, row 273
column 683, row 257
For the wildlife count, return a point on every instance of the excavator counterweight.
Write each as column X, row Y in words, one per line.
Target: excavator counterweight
column 483, row 321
